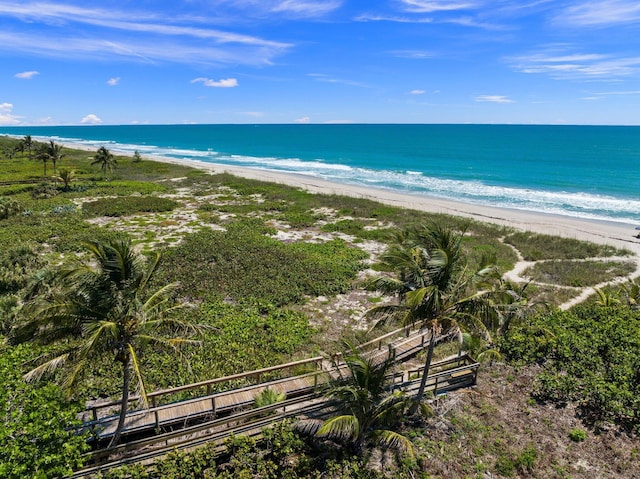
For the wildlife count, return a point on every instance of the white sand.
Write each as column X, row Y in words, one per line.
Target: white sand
column 616, row 234
column 612, row 233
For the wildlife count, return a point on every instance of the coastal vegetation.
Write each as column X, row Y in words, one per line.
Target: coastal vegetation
column 268, row 273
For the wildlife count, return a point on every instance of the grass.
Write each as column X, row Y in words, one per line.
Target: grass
column 535, row 247
column 579, row 273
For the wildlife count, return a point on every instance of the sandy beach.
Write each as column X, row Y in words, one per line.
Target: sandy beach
column 616, row 234
column 621, row 235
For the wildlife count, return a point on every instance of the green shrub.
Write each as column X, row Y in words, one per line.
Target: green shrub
column 37, row 438
column 588, row 356
column 44, row 191
column 267, row 397
column 243, row 264
column 9, row 207
column 505, row 466
column 577, row 435
column 128, row 205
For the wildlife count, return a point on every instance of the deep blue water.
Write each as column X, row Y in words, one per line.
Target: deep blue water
column 582, row 171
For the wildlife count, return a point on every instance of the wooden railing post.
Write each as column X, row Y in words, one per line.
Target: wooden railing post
column 213, row 406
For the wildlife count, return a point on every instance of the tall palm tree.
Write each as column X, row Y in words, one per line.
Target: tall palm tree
column 106, row 160
column 107, row 307
column 367, row 409
column 27, row 145
column 55, row 153
column 43, row 155
column 435, row 288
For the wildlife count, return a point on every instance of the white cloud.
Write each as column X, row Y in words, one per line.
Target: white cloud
column 568, row 66
column 414, row 54
column 150, row 36
column 91, row 119
column 321, row 77
column 113, row 81
column 493, row 99
column 6, row 117
column 422, row 6
column 223, row 83
column 306, row 8
column 417, row 92
column 288, row 8
column 303, row 120
column 601, row 13
column 26, row 75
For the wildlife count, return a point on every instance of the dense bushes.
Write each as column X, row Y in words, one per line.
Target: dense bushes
column 128, row 205
column 281, row 454
column 36, row 439
column 242, row 265
column 589, row 356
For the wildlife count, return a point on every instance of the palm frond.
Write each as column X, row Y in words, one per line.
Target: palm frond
column 340, row 427
column 47, row 367
column 135, row 366
column 393, row 440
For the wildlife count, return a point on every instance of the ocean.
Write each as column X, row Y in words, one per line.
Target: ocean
column 590, row 172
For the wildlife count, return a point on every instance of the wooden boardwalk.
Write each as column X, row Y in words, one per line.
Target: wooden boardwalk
column 102, row 419
column 446, row 375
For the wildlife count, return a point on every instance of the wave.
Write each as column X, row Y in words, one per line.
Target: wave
column 575, row 204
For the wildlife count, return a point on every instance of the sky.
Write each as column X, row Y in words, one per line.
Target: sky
column 72, row 62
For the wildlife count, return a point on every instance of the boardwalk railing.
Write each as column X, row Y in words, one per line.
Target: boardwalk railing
column 96, row 412
column 449, row 374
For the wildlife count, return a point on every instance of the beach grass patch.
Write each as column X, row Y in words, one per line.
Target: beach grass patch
column 535, row 247
column 245, row 264
column 579, row 274
column 128, row 205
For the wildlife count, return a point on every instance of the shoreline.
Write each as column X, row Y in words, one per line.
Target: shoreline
column 620, row 235
column 616, row 234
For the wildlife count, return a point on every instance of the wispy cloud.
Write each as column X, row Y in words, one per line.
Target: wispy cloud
column 577, row 66
column 91, row 119
column 140, row 36
column 417, row 92
column 468, row 14
column 223, row 83
column 380, row 17
column 493, row 99
column 321, row 77
column 422, row 6
column 308, row 9
column 27, row 75
column 600, row 13
column 303, row 120
column 414, row 54
column 113, row 81
column 630, row 92
column 6, row 116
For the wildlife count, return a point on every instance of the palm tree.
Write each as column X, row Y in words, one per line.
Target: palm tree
column 55, row 153
column 106, row 160
column 107, row 307
column 435, row 288
column 43, row 155
column 67, row 177
column 28, row 145
column 367, row 409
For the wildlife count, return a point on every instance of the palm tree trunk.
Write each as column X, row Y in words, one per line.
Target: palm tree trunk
column 425, row 374
column 126, row 381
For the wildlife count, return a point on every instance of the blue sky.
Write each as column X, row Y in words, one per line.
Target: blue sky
column 319, row 61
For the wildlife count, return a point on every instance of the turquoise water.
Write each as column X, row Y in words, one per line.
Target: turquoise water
column 581, row 171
